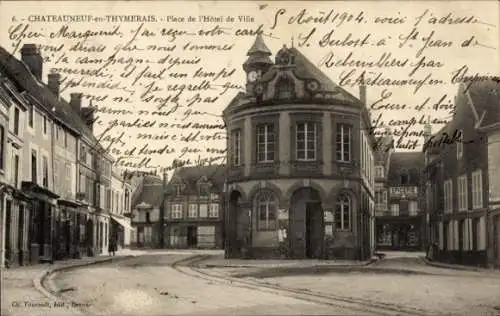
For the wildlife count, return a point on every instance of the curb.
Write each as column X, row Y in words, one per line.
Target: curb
column 364, row 264
column 42, row 277
column 453, row 267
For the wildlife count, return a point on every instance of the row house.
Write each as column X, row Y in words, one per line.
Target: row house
column 15, row 205
column 47, row 216
column 462, row 183
column 146, row 203
column 194, row 214
column 120, row 208
column 399, row 217
column 300, row 163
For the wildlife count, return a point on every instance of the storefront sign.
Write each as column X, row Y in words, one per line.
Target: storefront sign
column 403, row 191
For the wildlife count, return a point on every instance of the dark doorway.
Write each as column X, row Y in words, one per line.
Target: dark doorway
column 8, row 229
column 313, row 223
column 191, row 236
column 306, row 224
column 234, row 226
column 461, row 225
column 20, row 237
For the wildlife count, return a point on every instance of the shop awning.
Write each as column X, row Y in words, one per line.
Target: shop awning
column 122, row 222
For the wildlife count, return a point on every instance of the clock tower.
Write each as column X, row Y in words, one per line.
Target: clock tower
column 257, row 63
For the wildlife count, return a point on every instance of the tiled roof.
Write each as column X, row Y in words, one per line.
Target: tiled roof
column 485, row 96
column 151, row 192
column 190, row 176
column 19, row 72
column 412, row 162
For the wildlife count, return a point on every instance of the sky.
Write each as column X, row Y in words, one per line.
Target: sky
column 482, row 57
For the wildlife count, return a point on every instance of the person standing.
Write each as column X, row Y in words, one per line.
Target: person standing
column 112, row 246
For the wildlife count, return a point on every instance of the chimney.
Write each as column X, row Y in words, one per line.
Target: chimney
column 76, row 101
column 30, row 55
column 53, row 82
column 362, row 94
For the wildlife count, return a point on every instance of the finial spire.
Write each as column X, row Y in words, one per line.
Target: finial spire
column 292, row 41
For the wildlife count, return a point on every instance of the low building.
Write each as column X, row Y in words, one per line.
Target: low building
column 146, row 203
column 399, row 217
column 194, row 214
column 462, row 179
column 300, row 163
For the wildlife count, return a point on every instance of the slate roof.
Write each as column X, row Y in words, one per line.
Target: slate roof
column 151, row 192
column 412, row 162
column 485, row 96
column 259, row 47
column 190, row 177
column 40, row 94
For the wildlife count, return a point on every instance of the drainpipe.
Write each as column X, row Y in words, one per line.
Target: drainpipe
column 55, row 212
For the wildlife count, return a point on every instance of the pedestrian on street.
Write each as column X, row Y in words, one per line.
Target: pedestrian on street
column 112, row 246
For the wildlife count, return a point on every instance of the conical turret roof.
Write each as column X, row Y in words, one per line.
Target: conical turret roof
column 259, row 47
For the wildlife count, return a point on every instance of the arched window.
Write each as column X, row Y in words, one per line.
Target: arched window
column 265, row 205
column 285, row 88
column 343, row 212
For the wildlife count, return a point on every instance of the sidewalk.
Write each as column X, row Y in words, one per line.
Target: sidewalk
column 458, row 266
column 23, row 294
column 218, row 261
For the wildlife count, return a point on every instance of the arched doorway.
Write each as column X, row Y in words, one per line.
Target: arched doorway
column 232, row 235
column 306, row 224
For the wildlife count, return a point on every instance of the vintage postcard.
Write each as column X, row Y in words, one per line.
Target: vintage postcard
column 250, row 157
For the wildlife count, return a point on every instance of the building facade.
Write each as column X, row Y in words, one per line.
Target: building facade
column 121, row 229
column 16, row 205
column 194, row 214
column 462, row 183
column 399, row 217
column 50, row 210
column 300, row 163
column 146, row 203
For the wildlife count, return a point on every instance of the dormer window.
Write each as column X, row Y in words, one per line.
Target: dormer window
column 177, row 189
column 460, row 145
column 379, row 172
column 204, row 189
column 285, row 88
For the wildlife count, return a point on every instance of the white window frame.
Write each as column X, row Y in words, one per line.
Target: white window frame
column 309, row 127
column 193, row 210
column 203, row 205
column 265, row 200
column 413, row 208
column 213, row 211
column 448, row 196
column 236, row 150
column 462, row 192
column 176, row 211
column 343, row 207
column 477, row 189
column 262, row 130
column 395, row 209
column 343, row 130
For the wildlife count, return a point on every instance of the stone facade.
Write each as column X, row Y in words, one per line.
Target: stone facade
column 300, row 176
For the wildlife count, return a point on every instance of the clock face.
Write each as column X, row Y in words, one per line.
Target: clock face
column 253, row 75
